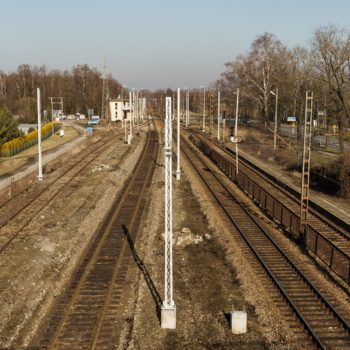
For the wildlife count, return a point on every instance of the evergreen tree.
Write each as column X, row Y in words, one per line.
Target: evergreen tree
column 8, row 126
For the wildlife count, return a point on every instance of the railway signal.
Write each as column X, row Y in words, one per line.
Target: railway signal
column 168, row 312
column 232, row 134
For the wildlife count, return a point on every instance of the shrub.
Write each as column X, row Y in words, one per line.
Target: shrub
column 19, row 144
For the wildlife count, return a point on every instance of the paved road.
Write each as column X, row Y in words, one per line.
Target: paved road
column 320, row 140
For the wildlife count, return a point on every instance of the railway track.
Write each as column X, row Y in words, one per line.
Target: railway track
column 323, row 238
column 325, row 326
column 86, row 315
column 25, row 207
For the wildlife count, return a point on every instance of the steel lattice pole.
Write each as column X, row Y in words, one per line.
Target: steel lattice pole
column 168, row 302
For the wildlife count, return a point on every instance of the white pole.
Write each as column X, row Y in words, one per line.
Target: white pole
column 168, row 312
column 133, row 108
column 122, row 114
column 40, row 172
column 178, row 171
column 218, row 115
column 203, row 109
column 187, row 108
column 275, row 128
column 138, row 106
column 131, row 115
column 236, row 120
column 236, row 131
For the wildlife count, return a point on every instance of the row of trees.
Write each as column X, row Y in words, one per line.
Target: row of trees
column 324, row 68
column 81, row 88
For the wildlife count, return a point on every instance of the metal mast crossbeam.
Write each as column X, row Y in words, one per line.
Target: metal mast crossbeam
column 56, row 107
column 305, row 179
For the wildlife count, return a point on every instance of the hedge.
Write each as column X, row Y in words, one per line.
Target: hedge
column 19, row 144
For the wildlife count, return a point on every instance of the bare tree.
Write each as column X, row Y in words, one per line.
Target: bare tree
column 331, row 58
column 258, row 72
column 80, row 88
column 331, row 55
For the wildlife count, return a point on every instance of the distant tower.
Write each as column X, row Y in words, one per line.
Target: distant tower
column 105, row 94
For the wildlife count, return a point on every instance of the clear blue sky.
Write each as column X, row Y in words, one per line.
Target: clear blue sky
column 154, row 43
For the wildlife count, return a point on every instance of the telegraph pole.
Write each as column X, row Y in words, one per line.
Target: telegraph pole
column 168, row 312
column 178, row 171
column 40, row 172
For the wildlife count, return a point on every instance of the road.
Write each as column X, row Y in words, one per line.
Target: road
column 320, row 140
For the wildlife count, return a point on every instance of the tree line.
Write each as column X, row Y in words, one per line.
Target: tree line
column 81, row 89
column 323, row 68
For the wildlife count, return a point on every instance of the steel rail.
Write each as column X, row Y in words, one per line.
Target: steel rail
column 327, row 217
column 319, row 295
column 92, row 156
column 99, row 249
column 337, row 248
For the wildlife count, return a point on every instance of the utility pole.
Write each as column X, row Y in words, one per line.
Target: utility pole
column 168, row 311
column 218, row 115
column 305, row 179
column 40, row 172
column 178, row 171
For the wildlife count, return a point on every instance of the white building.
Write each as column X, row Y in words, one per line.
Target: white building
column 119, row 109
